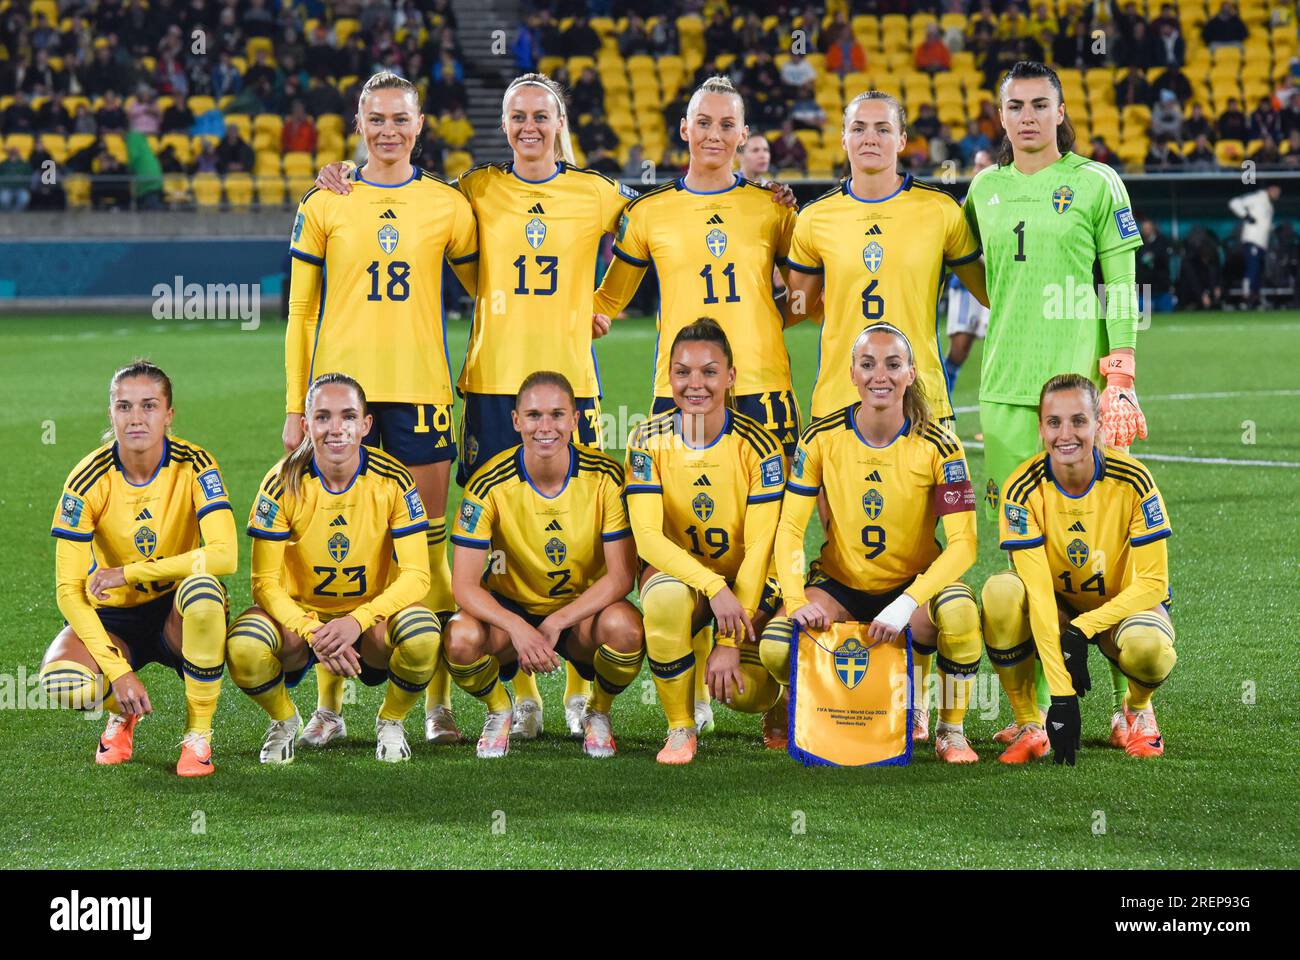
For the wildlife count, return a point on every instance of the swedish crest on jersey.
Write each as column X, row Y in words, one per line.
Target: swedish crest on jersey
column 1062, row 198
column 702, row 506
column 851, row 661
column 1077, row 552
column 145, row 542
column 388, row 238
column 873, row 255
column 338, row 546
column 873, row 503
column 716, row 241
column 535, row 232
column 556, row 551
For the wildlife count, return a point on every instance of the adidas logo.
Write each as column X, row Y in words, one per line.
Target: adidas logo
column 144, row 514
column 703, row 481
column 338, row 521
column 553, row 525
column 874, row 477
column 388, row 215
column 442, row 442
column 1078, row 527
column 993, row 200
column 536, row 208
column 715, row 219
column 1057, row 725
column 875, row 230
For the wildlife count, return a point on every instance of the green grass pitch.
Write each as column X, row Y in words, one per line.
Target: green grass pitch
column 1219, row 386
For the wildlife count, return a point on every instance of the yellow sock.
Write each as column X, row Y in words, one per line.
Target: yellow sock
column 526, row 688
column 574, row 684
column 761, row 688
column 201, row 602
column 439, row 598
column 702, row 646
column 1146, row 655
column 955, row 613
column 438, row 692
column 1009, row 643
column 482, row 679
column 666, row 606
column 614, row 671
column 415, row 638
column 329, row 690
column 253, row 654
column 922, row 666
column 774, row 648
column 75, row 686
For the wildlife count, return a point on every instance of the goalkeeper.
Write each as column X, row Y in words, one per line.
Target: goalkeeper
column 1044, row 215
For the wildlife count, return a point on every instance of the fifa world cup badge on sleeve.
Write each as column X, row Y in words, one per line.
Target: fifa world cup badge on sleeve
column 1126, row 223
column 800, row 456
column 469, row 514
column 70, row 510
column 266, row 511
column 850, row 697
column 210, row 481
column 414, row 505
column 1017, row 518
column 954, row 471
column 772, row 476
column 640, row 463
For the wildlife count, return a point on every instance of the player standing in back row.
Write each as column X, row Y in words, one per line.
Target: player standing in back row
column 1044, row 216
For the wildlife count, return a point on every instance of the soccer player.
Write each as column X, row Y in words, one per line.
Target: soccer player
column 968, row 319
column 339, row 570
column 545, row 519
column 875, row 248
column 755, row 158
column 704, row 486
column 1086, row 528
column 1044, row 216
column 144, row 530
column 890, row 475
column 540, row 223
column 380, row 317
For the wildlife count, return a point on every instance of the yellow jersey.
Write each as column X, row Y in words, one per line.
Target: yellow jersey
column 706, row 515
column 885, row 503
column 714, row 254
column 150, row 531
column 366, row 291
column 881, row 260
column 326, row 553
column 553, row 546
column 537, row 242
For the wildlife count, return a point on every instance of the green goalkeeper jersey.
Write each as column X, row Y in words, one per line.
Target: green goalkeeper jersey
column 1041, row 235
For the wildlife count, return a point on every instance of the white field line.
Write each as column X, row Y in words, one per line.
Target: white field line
column 1174, row 458
column 1213, row 395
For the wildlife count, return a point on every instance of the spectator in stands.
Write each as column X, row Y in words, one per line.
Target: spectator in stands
column 298, row 135
column 230, row 38
column 102, row 74
column 1173, row 79
column 144, row 116
column 15, row 179
column 111, row 188
column 1232, row 122
column 1255, row 211
column 588, row 93
column 788, row 151
column 1225, row 28
column 40, row 75
column 1197, row 124
column 1135, row 49
column 635, row 40
column 845, row 54
column 83, row 121
column 226, row 79
column 110, row 116
column 989, row 123
column 973, row 143
column 797, row 72
column 943, row 148
column 1200, row 273
column 1265, row 122
column 1041, row 21
column 1266, row 153
column 1285, row 92
column 933, row 55
column 604, row 161
column 207, row 160
column 580, row 40
column 597, row 134
column 1162, row 156
column 925, row 123
column 1167, row 117
column 1133, row 89
column 46, row 184
column 43, row 37
column 53, row 116
column 168, row 162
column 259, row 22
column 1291, row 151
column 549, row 41
column 234, row 155
column 321, row 97
column 178, row 117
column 262, row 68
column 455, row 130
column 1102, row 153
column 1291, row 117
column 1078, row 49
column 448, row 94
column 1168, row 15
column 1201, row 158
column 1168, row 48
column 321, row 57
column 806, row 112
column 1154, row 274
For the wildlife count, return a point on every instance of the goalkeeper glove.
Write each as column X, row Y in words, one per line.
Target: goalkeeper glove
column 1074, row 648
column 1063, row 728
column 1122, row 419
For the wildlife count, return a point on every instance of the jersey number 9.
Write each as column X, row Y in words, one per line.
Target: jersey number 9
column 873, row 538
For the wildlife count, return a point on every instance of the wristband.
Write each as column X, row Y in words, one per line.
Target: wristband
column 1118, row 363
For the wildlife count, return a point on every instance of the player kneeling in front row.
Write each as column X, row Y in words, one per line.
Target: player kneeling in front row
column 542, row 568
column 131, row 515
column 890, row 475
column 704, row 490
column 1086, row 528
column 331, row 521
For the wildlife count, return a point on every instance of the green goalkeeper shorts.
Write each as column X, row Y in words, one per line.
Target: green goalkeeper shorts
column 1010, row 438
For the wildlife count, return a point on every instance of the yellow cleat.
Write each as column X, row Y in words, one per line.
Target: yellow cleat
column 118, row 741
column 679, row 747
column 1030, row 743
column 1144, row 738
column 196, row 756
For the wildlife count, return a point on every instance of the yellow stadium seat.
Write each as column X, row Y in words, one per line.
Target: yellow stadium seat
column 207, row 189
column 202, row 104
column 855, row 83
column 298, row 164
column 811, row 139
column 344, row 28
column 116, row 146
column 241, row 123
column 329, row 123
column 270, row 191
column 548, row 65
column 578, row 64
column 266, row 163
column 176, row 188
column 1229, row 152
column 56, row 145
column 952, row 113
column 270, row 123
column 23, row 141
column 261, row 43
column 239, row 189
column 77, row 188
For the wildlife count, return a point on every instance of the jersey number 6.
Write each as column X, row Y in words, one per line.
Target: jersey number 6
column 873, row 305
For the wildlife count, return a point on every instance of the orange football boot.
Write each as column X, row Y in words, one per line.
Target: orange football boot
column 1029, row 744
column 679, row 746
column 1007, row 734
column 196, row 756
column 776, row 733
column 951, row 745
column 1144, row 738
column 1119, row 730
column 118, row 741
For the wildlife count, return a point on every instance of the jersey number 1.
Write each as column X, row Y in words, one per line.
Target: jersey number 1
column 1019, row 231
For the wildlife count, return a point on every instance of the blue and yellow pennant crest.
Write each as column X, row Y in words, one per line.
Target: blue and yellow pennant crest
column 851, row 659
column 556, row 551
column 1077, row 552
column 338, row 546
column 535, row 232
column 716, row 241
column 1062, row 199
column 388, row 238
column 703, row 506
column 873, row 503
column 145, row 541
